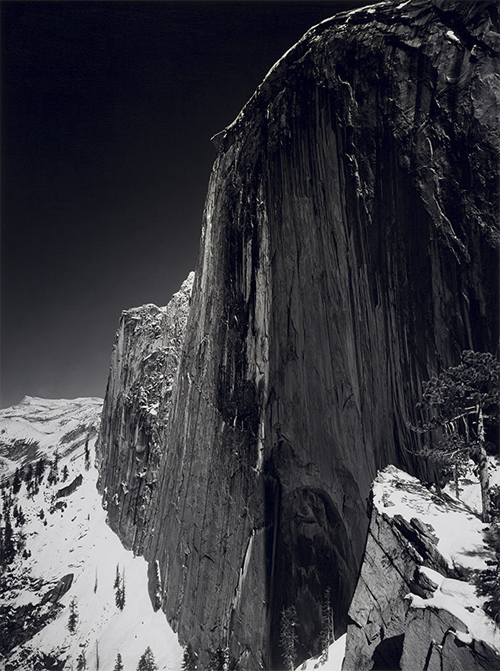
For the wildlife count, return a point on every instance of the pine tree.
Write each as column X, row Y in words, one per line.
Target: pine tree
column 28, row 473
column 118, row 663
column 288, row 636
column 7, row 545
column 21, row 541
column 53, row 476
column 39, row 469
column 147, row 661
column 65, row 473
column 120, row 597
column 189, row 659
column 73, row 616
column 458, row 404
column 119, row 586
column 16, row 482
column 21, row 519
column 116, row 584
column 327, row 634
column 218, row 659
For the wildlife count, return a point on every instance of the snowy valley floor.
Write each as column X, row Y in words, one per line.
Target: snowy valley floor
column 75, row 539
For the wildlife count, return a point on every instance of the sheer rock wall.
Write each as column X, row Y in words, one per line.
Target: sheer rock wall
column 349, row 250
column 142, row 376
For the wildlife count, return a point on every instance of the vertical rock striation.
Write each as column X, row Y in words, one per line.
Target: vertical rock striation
column 142, row 376
column 349, row 250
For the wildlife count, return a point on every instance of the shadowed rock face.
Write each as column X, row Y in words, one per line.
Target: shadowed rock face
column 349, row 251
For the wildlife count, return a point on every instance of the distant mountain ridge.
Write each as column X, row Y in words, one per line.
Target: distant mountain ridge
column 37, row 427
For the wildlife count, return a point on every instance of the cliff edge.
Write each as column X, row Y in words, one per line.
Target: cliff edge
column 142, row 377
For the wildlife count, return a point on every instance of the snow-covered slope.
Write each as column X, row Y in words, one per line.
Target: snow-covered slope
column 67, row 543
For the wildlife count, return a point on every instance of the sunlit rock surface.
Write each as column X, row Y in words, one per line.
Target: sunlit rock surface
column 142, row 375
column 349, row 250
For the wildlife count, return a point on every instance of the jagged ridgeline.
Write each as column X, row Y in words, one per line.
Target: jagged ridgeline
column 349, row 252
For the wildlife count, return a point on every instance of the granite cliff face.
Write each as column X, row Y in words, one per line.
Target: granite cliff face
column 142, row 376
column 349, row 250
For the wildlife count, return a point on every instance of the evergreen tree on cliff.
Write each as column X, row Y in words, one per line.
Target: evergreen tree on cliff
column 73, row 616
column 458, row 404
column 288, row 636
column 218, row 659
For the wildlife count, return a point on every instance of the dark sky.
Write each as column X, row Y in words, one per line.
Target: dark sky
column 107, row 113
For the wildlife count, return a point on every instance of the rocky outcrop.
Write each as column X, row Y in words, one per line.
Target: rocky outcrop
column 403, row 616
column 142, row 376
column 59, row 590
column 20, row 623
column 69, row 489
column 349, row 250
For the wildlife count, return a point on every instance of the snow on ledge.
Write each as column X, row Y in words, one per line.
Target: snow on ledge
column 460, row 599
column 459, row 531
column 460, row 540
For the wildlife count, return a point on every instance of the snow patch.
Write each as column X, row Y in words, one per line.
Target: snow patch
column 459, row 530
column 336, row 653
column 460, row 599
